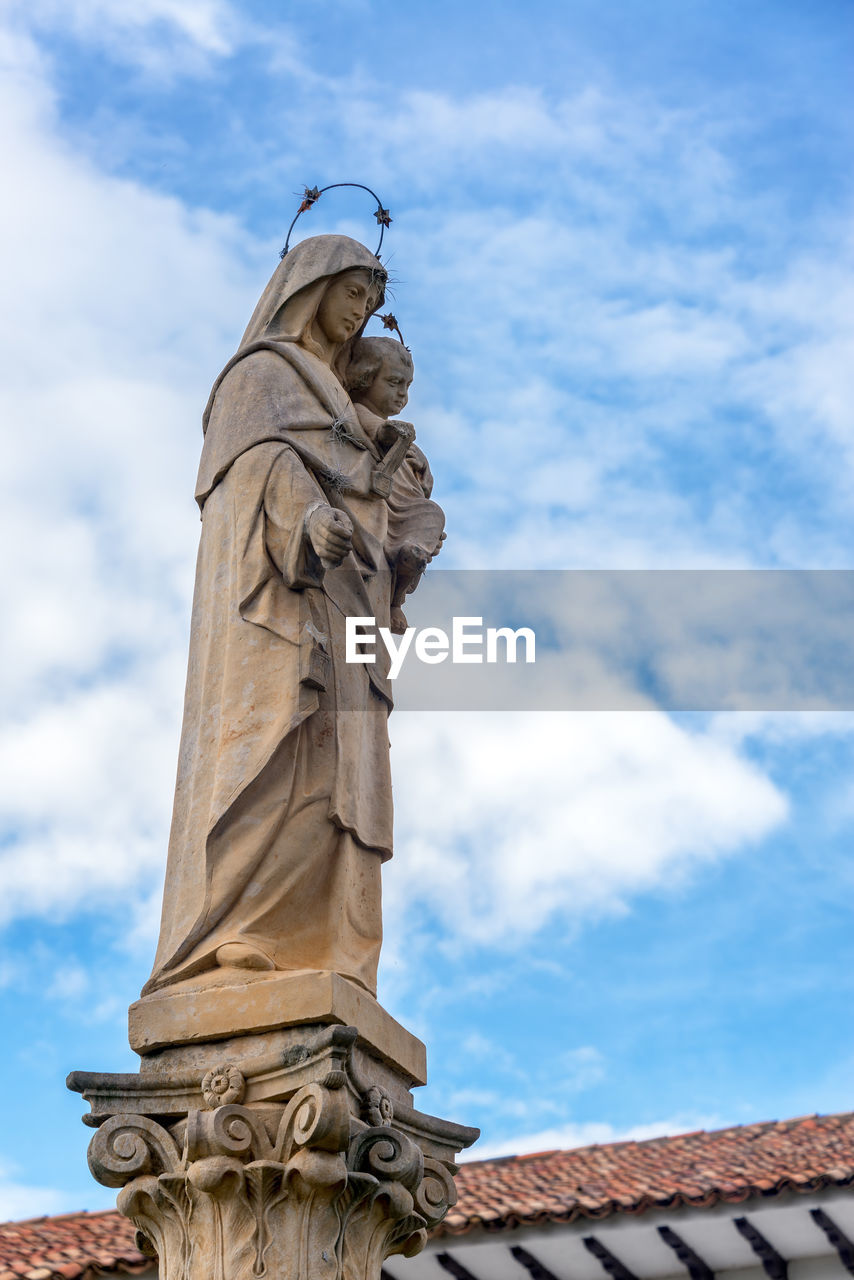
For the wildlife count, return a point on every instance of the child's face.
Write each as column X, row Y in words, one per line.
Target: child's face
column 389, row 391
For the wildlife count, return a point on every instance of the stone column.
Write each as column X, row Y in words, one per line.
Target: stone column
column 287, row 1154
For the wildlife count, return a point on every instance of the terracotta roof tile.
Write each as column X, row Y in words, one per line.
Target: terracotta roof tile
column 69, row 1247
column 697, row 1168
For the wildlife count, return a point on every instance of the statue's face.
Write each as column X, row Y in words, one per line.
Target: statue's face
column 389, row 390
column 343, row 306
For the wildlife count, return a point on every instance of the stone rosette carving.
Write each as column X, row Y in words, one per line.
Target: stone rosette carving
column 306, row 1191
column 379, row 1106
column 222, row 1085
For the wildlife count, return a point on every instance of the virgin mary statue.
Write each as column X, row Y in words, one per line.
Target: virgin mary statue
column 283, row 810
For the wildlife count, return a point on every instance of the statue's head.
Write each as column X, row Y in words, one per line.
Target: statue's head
column 346, row 303
column 379, row 375
column 324, row 280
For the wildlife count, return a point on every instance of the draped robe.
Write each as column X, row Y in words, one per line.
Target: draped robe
column 283, row 808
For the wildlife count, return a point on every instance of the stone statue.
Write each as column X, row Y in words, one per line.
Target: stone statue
column 270, row 1131
column 283, row 809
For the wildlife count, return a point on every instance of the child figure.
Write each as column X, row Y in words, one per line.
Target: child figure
column 378, row 378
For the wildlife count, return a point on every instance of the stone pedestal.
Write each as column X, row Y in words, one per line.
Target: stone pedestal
column 288, row 1153
column 195, row 1013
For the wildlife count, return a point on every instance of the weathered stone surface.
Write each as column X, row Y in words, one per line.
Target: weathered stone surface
column 294, row 1164
column 283, row 811
column 269, row 1068
column 188, row 1015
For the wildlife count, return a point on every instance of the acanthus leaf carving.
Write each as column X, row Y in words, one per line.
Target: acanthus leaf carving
column 327, row 1199
column 266, row 1188
column 222, row 1239
column 159, row 1208
column 379, row 1215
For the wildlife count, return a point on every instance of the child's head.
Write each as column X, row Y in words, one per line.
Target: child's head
column 379, row 375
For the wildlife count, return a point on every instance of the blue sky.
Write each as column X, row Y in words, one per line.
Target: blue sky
column 623, row 251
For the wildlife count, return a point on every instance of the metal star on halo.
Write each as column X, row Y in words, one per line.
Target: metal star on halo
column 383, row 216
column 311, row 195
column 390, row 322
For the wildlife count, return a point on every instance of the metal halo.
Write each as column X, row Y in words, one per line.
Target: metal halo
column 310, row 200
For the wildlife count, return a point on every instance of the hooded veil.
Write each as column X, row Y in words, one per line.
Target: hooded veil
column 283, row 799
column 281, row 322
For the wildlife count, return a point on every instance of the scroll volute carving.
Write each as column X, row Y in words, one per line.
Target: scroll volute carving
column 239, row 1202
column 126, row 1147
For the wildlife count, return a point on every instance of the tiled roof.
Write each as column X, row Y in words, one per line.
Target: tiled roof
column 70, row 1246
column 700, row 1169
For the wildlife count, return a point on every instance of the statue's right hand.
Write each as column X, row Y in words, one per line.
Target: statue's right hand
column 331, row 534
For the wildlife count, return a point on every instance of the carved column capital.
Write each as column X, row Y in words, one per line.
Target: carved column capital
column 306, row 1191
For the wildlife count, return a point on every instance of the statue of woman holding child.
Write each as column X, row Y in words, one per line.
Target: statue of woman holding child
column 283, row 809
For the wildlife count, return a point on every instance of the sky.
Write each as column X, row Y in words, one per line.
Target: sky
column 623, row 260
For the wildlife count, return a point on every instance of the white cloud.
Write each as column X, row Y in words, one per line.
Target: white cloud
column 519, row 1089
column 613, row 362
column 105, row 359
column 772, row 727
column 583, row 1067
column 506, row 821
column 86, row 794
column 158, row 35
column 69, row 984
column 600, row 239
